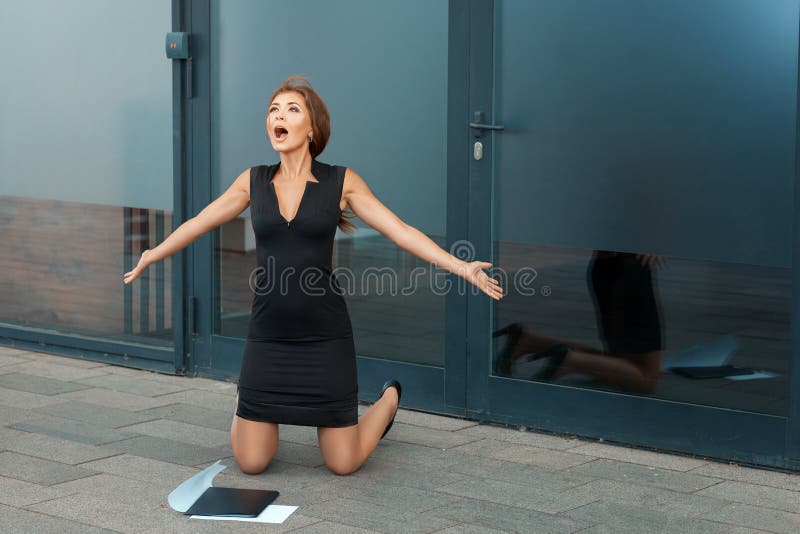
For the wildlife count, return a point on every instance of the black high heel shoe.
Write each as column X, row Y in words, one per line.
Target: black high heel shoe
column 555, row 354
column 392, row 383
column 502, row 364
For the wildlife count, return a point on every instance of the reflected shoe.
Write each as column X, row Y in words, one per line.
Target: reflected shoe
column 392, row 383
column 555, row 355
column 502, row 364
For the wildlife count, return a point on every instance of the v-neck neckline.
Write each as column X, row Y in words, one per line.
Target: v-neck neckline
column 302, row 195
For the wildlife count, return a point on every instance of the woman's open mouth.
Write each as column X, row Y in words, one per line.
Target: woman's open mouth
column 280, row 132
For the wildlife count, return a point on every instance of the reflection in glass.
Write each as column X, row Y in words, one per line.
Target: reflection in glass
column 648, row 145
column 395, row 312
column 85, row 168
column 695, row 331
column 62, row 269
column 406, row 324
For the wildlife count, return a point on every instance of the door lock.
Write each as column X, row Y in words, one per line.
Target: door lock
column 477, row 151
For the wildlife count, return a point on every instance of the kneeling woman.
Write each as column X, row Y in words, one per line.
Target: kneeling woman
column 299, row 363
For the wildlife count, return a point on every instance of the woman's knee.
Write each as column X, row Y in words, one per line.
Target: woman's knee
column 253, row 445
column 341, row 449
column 252, row 464
column 252, row 460
column 342, row 467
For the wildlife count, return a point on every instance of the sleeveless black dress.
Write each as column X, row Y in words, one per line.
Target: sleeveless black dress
column 299, row 363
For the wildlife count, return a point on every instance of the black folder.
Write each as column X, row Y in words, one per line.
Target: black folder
column 232, row 502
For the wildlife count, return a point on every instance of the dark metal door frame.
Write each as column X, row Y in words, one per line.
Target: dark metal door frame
column 793, row 424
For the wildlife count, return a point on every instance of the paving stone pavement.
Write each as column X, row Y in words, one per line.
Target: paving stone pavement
column 90, row 447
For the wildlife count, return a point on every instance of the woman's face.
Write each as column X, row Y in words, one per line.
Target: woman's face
column 288, row 122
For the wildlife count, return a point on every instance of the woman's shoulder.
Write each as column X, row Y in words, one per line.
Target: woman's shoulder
column 330, row 171
column 326, row 165
column 263, row 170
column 263, row 166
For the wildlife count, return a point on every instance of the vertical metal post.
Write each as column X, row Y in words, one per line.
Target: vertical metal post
column 793, row 421
column 160, row 270
column 181, row 148
column 127, row 265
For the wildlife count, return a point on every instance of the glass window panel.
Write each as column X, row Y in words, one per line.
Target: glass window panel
column 85, row 166
column 637, row 130
column 388, row 107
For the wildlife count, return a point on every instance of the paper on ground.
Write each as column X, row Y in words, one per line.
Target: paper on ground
column 274, row 513
column 755, row 376
column 714, row 353
column 185, row 495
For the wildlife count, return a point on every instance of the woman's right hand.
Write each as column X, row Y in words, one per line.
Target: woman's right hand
column 230, row 204
column 144, row 262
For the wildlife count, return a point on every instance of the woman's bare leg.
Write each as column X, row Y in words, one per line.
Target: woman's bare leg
column 637, row 373
column 254, row 444
column 346, row 449
column 530, row 341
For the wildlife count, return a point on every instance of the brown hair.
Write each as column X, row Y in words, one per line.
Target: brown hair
column 320, row 126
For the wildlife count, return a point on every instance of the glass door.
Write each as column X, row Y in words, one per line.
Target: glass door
column 638, row 204
column 387, row 92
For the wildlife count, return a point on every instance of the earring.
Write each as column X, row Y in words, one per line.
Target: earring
column 310, row 140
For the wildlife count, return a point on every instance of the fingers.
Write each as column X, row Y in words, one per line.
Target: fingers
column 496, row 294
column 489, row 279
column 130, row 276
column 133, row 274
column 484, row 282
column 491, row 287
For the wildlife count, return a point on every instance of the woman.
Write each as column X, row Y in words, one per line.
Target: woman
column 299, row 358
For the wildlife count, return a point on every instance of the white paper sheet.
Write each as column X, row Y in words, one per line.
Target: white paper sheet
column 185, row 495
column 714, row 353
column 754, row 376
column 274, row 513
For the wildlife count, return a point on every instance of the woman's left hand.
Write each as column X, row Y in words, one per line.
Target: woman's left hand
column 474, row 274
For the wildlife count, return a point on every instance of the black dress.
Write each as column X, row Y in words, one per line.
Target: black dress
column 628, row 316
column 299, row 363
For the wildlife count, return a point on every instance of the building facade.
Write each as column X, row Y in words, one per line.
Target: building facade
column 628, row 168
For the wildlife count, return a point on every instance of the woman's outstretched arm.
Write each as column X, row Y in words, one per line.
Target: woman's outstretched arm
column 230, row 204
column 370, row 210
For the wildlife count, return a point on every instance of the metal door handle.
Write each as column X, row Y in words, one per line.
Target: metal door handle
column 478, row 125
column 486, row 126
